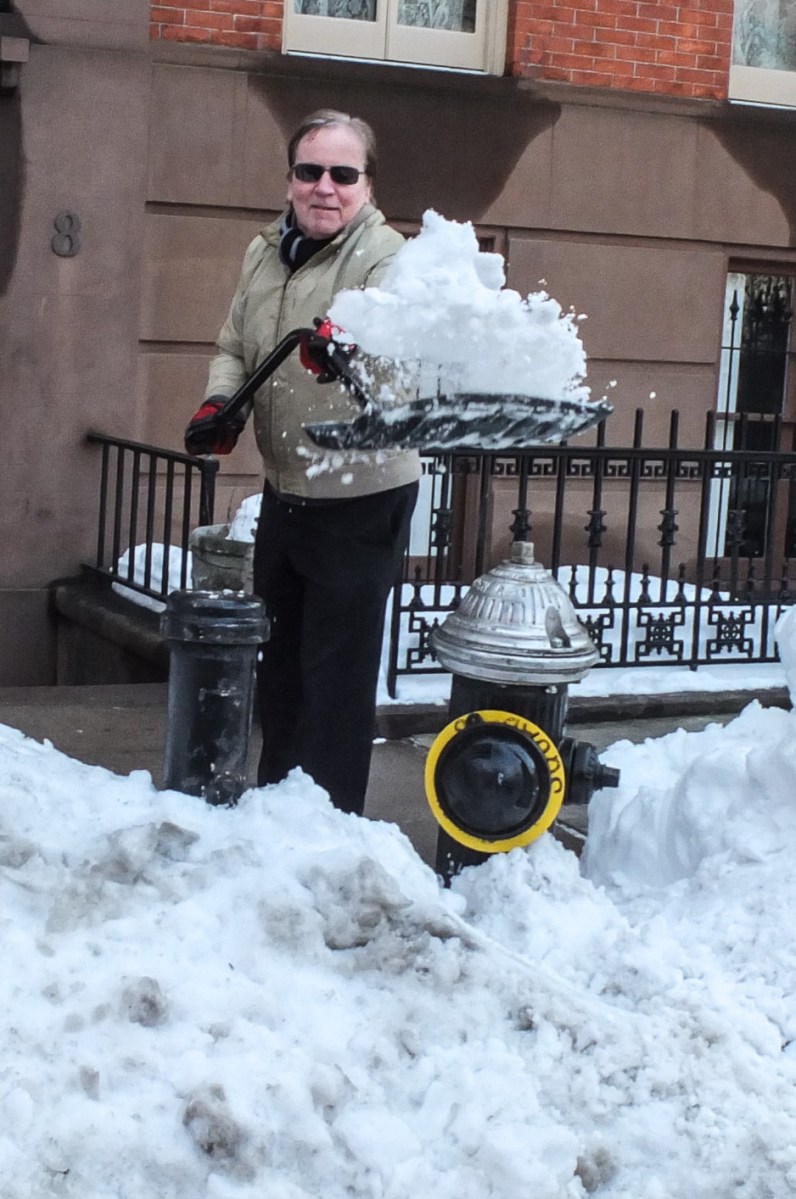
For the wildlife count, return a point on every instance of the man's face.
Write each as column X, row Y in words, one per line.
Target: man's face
column 324, row 208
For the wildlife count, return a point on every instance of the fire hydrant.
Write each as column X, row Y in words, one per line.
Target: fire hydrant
column 499, row 773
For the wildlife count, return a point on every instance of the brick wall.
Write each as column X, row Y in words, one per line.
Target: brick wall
column 246, row 24
column 642, row 45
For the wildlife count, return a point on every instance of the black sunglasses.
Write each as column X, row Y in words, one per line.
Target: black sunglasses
column 313, row 172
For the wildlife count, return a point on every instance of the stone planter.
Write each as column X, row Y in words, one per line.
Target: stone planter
column 219, row 562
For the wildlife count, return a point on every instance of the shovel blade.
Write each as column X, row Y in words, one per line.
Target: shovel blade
column 465, row 423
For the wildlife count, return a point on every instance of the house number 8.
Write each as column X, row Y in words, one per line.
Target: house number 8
column 66, row 241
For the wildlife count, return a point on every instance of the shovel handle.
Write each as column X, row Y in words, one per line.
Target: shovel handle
column 337, row 367
column 264, row 371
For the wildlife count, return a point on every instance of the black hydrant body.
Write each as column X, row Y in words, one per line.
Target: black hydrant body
column 544, row 706
column 213, row 639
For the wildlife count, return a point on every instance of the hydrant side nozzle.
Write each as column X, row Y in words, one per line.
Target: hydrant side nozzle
column 585, row 772
column 606, row 776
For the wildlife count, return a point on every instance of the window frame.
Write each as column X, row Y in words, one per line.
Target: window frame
column 726, row 493
column 335, row 37
column 384, row 40
column 762, row 85
column 773, row 84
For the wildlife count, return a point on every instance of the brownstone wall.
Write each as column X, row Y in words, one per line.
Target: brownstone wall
column 73, row 139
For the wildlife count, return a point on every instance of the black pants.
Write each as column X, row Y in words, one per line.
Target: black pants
column 325, row 571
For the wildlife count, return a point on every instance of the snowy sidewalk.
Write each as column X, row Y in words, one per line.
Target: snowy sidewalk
column 123, row 728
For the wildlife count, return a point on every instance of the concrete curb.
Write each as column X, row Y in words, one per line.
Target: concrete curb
column 593, row 709
column 396, row 721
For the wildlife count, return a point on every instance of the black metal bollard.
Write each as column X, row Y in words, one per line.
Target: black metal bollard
column 213, row 640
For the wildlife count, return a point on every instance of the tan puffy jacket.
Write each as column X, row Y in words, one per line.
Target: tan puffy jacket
column 270, row 302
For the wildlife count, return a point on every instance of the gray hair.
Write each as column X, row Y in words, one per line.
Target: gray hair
column 325, row 117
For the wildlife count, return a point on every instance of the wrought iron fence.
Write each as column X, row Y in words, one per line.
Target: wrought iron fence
column 651, row 544
column 150, row 499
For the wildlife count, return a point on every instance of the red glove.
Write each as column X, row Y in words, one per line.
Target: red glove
column 325, row 353
column 209, row 433
column 314, row 349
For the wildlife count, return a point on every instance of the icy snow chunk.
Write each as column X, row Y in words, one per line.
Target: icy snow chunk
column 442, row 303
column 377, row 1137
column 355, row 899
column 213, row 1128
column 144, row 1002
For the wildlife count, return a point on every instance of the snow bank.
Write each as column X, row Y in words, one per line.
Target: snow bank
column 278, row 1000
column 682, row 800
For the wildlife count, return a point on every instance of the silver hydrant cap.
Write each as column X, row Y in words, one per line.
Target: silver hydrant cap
column 516, row 625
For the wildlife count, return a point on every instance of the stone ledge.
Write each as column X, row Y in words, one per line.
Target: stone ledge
column 104, row 637
column 96, row 606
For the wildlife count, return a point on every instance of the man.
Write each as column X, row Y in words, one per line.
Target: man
column 330, row 540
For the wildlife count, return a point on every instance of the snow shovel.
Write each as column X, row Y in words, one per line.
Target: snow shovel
column 433, row 424
column 461, row 422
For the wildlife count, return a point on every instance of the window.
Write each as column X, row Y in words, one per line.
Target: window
column 461, row 34
column 763, row 67
column 754, row 508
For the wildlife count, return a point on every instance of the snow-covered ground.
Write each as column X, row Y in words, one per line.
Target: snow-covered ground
column 280, row 1000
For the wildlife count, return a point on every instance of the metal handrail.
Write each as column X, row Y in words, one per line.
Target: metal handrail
column 148, row 497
